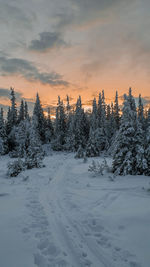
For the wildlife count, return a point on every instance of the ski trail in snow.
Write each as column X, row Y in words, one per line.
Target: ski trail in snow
column 64, row 235
column 41, row 227
column 80, row 250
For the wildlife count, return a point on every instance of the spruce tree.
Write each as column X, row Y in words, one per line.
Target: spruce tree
column 3, row 135
column 101, row 132
column 70, row 137
column 129, row 157
column 116, row 111
column 49, row 130
column 34, row 152
column 12, row 113
column 21, row 115
column 92, row 148
column 26, row 112
column 12, row 121
column 141, row 117
column 147, row 145
column 13, row 110
column 123, row 161
column 60, row 127
column 21, row 136
column 140, row 163
column 80, row 127
column 38, row 112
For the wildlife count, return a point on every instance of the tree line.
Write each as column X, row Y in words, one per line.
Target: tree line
column 125, row 133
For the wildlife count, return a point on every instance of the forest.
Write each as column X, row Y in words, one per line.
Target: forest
column 120, row 131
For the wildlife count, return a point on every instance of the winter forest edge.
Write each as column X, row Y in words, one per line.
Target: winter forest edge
column 124, row 134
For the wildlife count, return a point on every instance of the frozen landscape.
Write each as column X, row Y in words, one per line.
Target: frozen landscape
column 75, row 133
column 63, row 215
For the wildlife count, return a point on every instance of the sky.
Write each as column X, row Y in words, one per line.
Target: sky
column 74, row 47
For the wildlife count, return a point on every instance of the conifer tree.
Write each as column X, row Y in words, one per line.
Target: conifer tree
column 8, row 122
column 92, row 148
column 38, row 112
column 147, row 145
column 34, row 152
column 94, row 122
column 3, row 135
column 123, row 160
column 21, row 115
column 99, row 111
column 80, row 127
column 116, row 111
column 49, row 130
column 101, row 134
column 60, row 126
column 129, row 157
column 12, row 121
column 12, row 113
column 26, row 113
column 13, row 110
column 141, row 117
column 68, row 107
column 69, row 139
column 21, row 135
column 140, row 163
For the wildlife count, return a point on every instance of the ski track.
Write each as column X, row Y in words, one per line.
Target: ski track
column 63, row 240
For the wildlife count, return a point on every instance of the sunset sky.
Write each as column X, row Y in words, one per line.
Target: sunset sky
column 59, row 47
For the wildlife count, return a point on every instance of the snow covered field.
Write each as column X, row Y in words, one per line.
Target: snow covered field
column 61, row 215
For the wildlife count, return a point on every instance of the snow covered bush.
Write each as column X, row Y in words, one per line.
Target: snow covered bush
column 85, row 158
column 13, row 154
column 15, row 167
column 99, row 168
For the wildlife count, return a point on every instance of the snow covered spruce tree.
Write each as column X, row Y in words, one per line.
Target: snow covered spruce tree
column 60, row 127
column 69, row 139
column 3, row 135
column 40, row 119
column 92, row 148
column 101, row 130
column 49, row 130
column 21, row 115
column 12, row 120
column 140, row 113
column 80, row 126
column 129, row 154
column 110, row 125
column 33, row 149
column 26, row 112
column 116, row 111
column 147, row 144
column 21, row 135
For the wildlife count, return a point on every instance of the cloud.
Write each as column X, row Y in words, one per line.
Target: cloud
column 47, row 40
column 85, row 12
column 26, row 69
column 13, row 15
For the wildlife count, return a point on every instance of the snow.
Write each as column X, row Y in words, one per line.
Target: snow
column 62, row 215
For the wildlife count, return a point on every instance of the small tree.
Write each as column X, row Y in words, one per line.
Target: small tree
column 34, row 152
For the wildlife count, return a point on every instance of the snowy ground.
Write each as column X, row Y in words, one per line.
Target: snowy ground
column 62, row 216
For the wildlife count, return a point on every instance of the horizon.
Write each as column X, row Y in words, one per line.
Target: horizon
column 87, row 105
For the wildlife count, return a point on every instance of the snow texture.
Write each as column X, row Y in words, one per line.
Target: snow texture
column 63, row 216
